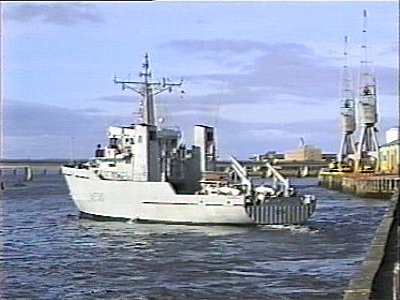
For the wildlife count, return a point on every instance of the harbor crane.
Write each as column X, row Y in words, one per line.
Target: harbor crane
column 367, row 154
column 345, row 157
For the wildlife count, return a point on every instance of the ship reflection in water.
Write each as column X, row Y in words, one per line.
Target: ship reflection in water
column 50, row 253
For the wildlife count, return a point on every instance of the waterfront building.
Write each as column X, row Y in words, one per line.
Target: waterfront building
column 390, row 152
column 392, row 134
column 304, row 153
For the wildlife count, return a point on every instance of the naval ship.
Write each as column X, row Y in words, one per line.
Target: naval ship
column 146, row 174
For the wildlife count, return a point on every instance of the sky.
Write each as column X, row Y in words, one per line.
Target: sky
column 263, row 73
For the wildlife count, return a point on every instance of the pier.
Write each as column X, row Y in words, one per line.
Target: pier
column 287, row 168
column 29, row 168
column 39, row 166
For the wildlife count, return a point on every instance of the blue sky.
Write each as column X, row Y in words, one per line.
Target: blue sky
column 264, row 73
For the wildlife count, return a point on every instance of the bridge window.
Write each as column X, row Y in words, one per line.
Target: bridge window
column 209, row 136
column 113, row 143
column 174, row 143
column 152, row 135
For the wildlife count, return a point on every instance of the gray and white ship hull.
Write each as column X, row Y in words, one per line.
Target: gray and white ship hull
column 158, row 202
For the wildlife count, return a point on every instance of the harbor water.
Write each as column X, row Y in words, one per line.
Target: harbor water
column 48, row 252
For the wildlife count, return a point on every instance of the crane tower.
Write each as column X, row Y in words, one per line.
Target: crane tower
column 368, row 147
column 347, row 111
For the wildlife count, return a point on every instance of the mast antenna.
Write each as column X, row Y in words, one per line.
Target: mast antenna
column 147, row 89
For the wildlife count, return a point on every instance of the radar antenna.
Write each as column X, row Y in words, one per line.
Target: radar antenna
column 147, row 89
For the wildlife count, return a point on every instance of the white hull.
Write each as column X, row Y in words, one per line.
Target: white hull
column 151, row 201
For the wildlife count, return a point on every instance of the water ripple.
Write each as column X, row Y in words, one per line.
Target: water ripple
column 48, row 252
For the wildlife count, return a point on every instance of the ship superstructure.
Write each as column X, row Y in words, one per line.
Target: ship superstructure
column 147, row 174
column 146, row 146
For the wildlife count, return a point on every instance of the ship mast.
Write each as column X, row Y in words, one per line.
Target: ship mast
column 368, row 145
column 147, row 89
column 347, row 110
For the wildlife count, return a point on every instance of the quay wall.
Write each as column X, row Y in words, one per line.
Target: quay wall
column 378, row 275
column 363, row 185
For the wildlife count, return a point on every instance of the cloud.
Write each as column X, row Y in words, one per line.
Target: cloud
column 91, row 110
column 284, row 92
column 58, row 13
column 387, row 80
column 281, row 68
column 44, row 131
column 244, row 138
column 247, row 138
column 117, row 98
column 393, row 49
column 236, row 54
column 216, row 46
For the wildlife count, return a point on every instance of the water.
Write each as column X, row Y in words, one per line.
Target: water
column 49, row 253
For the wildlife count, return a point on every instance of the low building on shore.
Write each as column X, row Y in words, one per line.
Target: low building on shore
column 304, row 153
column 392, row 134
column 389, row 153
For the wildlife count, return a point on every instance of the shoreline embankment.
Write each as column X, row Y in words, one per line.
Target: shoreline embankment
column 380, row 186
column 378, row 275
